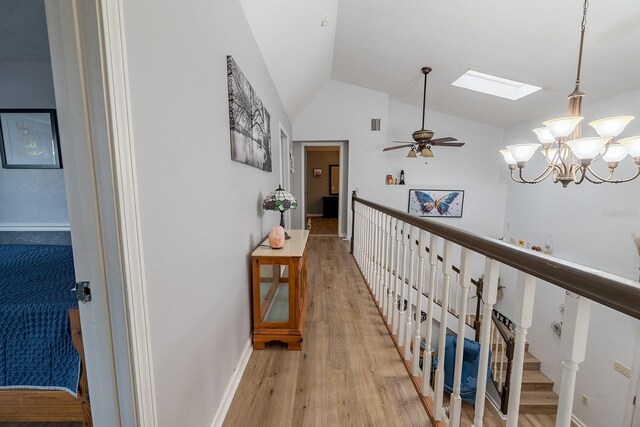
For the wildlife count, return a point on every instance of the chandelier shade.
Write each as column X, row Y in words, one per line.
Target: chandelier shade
column 614, row 153
column 562, row 127
column 632, row 145
column 544, row 135
column 522, row 152
column 611, row 126
column 569, row 157
column 587, row 148
column 508, row 157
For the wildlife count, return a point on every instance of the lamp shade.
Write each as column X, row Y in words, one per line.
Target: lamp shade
column 614, row 153
column 508, row 157
column 611, row 126
column 522, row 152
column 412, row 153
column 279, row 200
column 632, row 145
column 562, row 127
column 426, row 152
column 587, row 148
column 544, row 135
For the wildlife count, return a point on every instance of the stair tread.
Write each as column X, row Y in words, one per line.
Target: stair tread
column 535, row 377
column 533, row 398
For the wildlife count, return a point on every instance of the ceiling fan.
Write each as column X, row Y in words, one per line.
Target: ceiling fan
column 423, row 138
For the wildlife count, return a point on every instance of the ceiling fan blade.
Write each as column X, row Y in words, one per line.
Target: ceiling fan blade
column 404, row 142
column 397, row 147
column 439, row 140
column 449, row 144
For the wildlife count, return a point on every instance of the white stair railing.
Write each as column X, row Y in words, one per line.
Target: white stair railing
column 390, row 247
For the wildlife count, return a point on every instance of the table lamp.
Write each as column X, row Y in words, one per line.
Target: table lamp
column 280, row 200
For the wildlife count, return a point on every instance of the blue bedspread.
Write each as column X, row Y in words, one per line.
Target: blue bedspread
column 36, row 350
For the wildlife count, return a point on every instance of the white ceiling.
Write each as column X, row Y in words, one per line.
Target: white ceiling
column 382, row 44
column 297, row 49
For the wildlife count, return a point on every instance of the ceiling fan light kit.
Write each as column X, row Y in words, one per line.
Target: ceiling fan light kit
column 569, row 156
column 423, row 138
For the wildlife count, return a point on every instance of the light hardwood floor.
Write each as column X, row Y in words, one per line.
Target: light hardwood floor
column 323, row 226
column 348, row 372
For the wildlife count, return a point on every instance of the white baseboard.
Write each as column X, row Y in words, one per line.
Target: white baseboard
column 314, row 215
column 232, row 386
column 34, row 227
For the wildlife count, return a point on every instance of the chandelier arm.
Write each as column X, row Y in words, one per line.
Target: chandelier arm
column 583, row 176
column 514, row 178
column 537, row 179
column 609, row 180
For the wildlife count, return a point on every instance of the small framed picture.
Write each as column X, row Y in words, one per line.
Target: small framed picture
column 436, row 203
column 29, row 139
column 317, row 173
column 389, row 180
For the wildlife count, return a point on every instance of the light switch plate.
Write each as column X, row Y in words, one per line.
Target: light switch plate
column 624, row 370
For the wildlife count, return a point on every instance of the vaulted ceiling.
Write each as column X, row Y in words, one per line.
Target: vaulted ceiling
column 382, row 44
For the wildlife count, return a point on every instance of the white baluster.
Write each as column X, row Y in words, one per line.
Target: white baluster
column 376, row 276
column 382, row 286
column 447, row 260
column 381, row 263
column 412, row 268
column 433, row 273
column 403, row 287
column 489, row 297
column 573, row 344
column 397, row 286
column 384, row 300
column 371, row 247
column 422, row 241
column 391, row 278
column 367, row 275
column 523, row 318
column 464, row 281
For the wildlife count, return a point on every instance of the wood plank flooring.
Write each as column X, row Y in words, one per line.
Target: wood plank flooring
column 348, row 372
column 323, row 226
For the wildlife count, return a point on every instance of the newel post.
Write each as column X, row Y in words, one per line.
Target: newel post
column 354, row 194
column 573, row 345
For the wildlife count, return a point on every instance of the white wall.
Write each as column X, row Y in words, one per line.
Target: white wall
column 592, row 225
column 343, row 112
column 200, row 212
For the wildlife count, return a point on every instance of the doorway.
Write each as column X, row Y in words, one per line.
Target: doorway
column 323, row 178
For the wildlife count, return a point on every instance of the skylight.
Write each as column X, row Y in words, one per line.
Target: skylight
column 493, row 85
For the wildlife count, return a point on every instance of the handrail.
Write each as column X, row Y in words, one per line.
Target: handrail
column 613, row 291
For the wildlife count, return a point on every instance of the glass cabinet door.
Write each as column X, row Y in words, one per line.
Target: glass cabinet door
column 274, row 293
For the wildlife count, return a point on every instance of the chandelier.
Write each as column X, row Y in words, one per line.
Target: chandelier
column 569, row 156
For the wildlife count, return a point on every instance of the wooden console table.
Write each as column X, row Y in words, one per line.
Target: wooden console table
column 280, row 292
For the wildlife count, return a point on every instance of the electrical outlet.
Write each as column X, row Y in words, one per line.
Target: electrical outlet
column 624, row 370
column 585, row 400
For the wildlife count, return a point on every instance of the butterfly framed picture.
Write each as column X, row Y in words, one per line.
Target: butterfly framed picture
column 436, row 203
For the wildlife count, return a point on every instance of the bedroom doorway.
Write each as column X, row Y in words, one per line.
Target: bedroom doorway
column 323, row 179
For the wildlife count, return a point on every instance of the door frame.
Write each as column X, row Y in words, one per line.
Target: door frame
column 89, row 63
column 285, row 164
column 342, row 201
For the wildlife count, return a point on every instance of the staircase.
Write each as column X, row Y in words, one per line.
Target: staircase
column 537, row 395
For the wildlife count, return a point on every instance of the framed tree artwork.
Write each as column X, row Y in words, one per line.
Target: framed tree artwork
column 250, row 123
